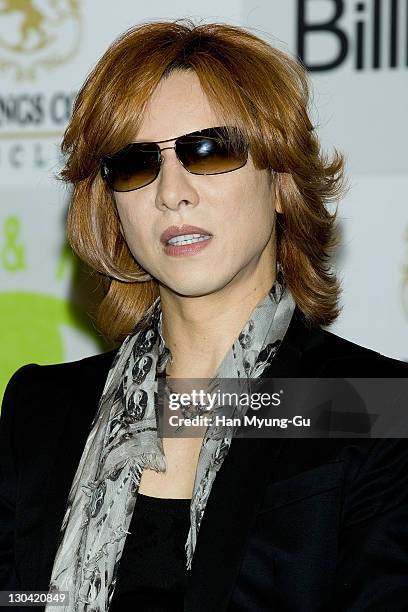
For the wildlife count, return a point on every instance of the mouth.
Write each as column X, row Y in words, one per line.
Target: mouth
column 185, row 240
column 184, row 234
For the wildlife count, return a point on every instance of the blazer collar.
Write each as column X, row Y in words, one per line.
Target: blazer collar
column 238, row 489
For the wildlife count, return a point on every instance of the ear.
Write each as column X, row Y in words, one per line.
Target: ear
column 281, row 180
column 278, row 205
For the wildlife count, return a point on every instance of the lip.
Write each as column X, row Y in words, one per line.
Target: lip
column 179, row 230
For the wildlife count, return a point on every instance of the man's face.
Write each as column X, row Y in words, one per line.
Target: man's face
column 237, row 208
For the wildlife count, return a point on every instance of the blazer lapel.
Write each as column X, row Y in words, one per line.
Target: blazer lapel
column 235, row 495
column 72, row 416
column 237, row 492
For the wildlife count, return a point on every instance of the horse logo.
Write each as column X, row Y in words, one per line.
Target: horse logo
column 37, row 33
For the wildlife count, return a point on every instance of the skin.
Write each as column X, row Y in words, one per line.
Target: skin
column 206, row 297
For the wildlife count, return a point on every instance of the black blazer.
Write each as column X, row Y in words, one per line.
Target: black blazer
column 290, row 524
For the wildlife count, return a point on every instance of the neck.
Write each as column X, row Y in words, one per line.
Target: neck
column 200, row 330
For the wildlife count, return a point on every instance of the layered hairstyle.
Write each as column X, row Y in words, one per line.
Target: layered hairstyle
column 250, row 84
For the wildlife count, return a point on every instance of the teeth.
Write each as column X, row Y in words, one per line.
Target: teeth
column 187, row 239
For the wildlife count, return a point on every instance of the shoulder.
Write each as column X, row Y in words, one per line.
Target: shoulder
column 363, row 361
column 325, row 353
column 95, row 366
column 35, row 387
column 309, row 350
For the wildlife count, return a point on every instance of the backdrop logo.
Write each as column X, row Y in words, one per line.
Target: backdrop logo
column 405, row 278
column 362, row 39
column 37, row 33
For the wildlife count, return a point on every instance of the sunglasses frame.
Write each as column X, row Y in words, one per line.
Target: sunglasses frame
column 105, row 171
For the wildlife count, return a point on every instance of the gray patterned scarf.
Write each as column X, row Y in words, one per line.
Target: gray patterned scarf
column 123, row 441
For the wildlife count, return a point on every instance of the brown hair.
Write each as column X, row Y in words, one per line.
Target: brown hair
column 250, row 84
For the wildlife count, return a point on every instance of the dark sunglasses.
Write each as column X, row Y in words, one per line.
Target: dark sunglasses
column 210, row 151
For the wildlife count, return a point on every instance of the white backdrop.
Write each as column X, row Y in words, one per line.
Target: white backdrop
column 47, row 49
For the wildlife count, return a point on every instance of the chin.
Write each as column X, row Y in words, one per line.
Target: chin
column 193, row 287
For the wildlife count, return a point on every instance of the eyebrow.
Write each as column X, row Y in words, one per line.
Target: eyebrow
column 175, row 137
column 158, row 141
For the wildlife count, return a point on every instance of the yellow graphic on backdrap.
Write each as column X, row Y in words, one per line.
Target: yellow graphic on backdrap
column 36, row 33
column 33, row 324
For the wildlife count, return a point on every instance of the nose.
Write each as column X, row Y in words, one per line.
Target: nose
column 174, row 184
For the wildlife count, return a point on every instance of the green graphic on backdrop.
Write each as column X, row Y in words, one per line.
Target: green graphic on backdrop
column 31, row 329
column 12, row 253
column 34, row 325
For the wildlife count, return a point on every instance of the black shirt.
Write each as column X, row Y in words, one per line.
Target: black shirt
column 152, row 572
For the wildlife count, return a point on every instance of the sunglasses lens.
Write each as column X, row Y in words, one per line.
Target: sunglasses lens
column 133, row 167
column 210, row 152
